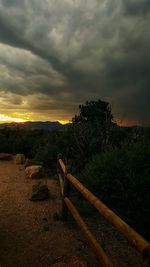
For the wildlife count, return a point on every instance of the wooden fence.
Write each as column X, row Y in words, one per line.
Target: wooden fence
column 130, row 234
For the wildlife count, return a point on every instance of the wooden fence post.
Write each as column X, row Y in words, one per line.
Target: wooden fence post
column 65, row 187
column 66, row 193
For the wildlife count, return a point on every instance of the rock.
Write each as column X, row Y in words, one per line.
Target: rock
column 34, row 172
column 28, row 163
column 39, row 192
column 6, row 156
column 57, row 217
column 44, row 219
column 20, row 159
column 46, row 228
column 46, row 225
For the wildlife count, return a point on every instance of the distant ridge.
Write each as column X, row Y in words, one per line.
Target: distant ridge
column 33, row 125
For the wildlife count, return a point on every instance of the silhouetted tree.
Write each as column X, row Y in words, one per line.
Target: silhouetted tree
column 91, row 130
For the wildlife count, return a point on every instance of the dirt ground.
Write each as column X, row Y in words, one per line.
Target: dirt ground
column 31, row 237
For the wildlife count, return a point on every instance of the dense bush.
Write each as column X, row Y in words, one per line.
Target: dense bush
column 49, row 146
column 121, row 178
column 42, row 146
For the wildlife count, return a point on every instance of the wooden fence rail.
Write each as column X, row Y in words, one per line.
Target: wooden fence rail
column 130, row 234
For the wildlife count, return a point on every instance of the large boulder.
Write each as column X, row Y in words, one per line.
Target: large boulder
column 20, row 159
column 6, row 156
column 34, row 172
column 39, row 192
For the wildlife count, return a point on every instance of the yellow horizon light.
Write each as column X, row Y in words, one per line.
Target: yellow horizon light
column 5, row 118
column 63, row 121
column 25, row 117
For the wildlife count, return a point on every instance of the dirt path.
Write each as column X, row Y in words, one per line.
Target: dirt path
column 25, row 241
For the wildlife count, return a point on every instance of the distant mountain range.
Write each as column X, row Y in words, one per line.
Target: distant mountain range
column 46, row 125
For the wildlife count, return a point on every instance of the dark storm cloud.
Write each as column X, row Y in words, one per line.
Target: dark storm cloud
column 10, row 36
column 137, row 7
column 73, row 51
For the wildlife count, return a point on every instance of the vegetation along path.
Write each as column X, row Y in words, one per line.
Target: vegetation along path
column 30, row 236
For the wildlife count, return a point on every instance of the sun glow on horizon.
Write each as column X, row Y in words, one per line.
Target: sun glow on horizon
column 20, row 118
column 15, row 117
column 5, row 118
column 63, row 121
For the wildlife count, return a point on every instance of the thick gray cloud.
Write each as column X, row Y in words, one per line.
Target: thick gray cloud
column 55, row 55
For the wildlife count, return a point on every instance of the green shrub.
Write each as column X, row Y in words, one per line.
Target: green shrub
column 46, row 154
column 121, row 178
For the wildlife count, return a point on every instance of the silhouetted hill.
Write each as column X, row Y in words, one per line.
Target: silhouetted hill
column 47, row 125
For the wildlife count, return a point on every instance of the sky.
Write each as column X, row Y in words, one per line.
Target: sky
column 57, row 54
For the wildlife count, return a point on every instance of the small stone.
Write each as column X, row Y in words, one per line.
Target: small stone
column 44, row 219
column 46, row 228
column 56, row 216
